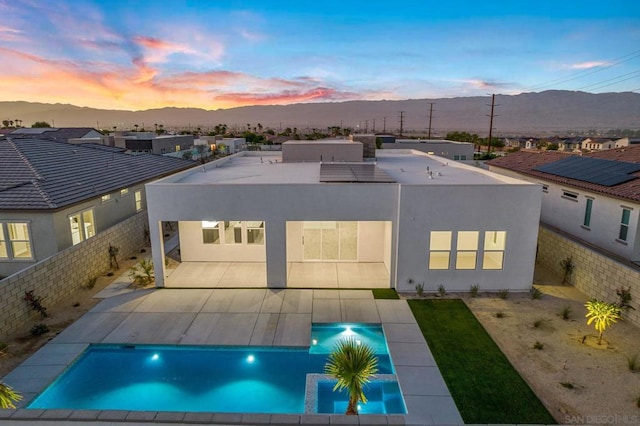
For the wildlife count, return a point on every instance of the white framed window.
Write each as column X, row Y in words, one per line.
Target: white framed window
column 467, row 250
column 82, row 226
column 210, row 232
column 623, row 234
column 15, row 241
column 106, row 198
column 573, row 196
column 233, row 232
column 124, row 192
column 439, row 249
column 494, row 246
column 138, row 197
column 255, row 232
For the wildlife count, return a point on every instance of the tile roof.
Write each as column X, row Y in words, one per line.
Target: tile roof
column 59, row 134
column 526, row 161
column 37, row 174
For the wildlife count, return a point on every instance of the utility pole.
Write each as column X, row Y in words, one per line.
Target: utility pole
column 374, row 125
column 366, row 126
column 401, row 119
column 430, row 117
column 384, row 125
column 493, row 105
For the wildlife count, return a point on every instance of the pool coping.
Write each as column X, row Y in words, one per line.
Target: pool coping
column 425, row 394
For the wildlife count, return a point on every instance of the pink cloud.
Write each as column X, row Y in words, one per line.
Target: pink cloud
column 285, row 97
column 587, row 65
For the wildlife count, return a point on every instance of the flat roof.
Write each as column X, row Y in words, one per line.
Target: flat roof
column 404, row 166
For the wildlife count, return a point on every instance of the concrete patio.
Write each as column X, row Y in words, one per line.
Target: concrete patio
column 347, row 275
column 254, row 317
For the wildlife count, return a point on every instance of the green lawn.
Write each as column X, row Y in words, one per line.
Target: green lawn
column 484, row 385
column 385, row 293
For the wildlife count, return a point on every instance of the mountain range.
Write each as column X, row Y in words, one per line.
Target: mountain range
column 548, row 112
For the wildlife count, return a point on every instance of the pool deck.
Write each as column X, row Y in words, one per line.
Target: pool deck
column 247, row 317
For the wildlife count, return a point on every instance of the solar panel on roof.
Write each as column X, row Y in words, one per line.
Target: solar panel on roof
column 592, row 170
column 369, row 173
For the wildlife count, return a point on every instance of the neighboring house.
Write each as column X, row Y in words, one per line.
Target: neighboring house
column 150, row 143
column 413, row 217
column 522, row 143
column 570, row 144
column 59, row 134
column 600, row 144
column 594, row 197
column 443, row 148
column 54, row 195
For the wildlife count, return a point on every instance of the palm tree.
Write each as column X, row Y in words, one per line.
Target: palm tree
column 602, row 314
column 7, row 395
column 353, row 364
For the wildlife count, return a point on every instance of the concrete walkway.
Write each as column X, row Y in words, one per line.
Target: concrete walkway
column 260, row 317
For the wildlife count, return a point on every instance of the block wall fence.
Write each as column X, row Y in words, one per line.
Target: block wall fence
column 596, row 274
column 54, row 279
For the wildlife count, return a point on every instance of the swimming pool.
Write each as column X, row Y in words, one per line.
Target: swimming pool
column 216, row 379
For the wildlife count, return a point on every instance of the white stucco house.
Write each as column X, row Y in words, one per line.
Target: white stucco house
column 408, row 218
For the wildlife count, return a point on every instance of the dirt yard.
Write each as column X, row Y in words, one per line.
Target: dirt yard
column 578, row 380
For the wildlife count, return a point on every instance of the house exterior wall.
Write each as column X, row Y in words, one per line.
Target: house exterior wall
column 50, row 231
column 450, row 150
column 595, row 274
column 567, row 214
column 472, row 208
column 294, row 152
column 412, row 211
column 57, row 277
column 275, row 204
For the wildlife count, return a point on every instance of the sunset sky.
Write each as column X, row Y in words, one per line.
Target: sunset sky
column 141, row 54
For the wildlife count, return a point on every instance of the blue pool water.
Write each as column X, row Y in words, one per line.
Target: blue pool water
column 214, row 379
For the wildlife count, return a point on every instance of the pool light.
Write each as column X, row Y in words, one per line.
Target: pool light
column 348, row 331
column 251, row 359
column 314, row 341
column 155, row 357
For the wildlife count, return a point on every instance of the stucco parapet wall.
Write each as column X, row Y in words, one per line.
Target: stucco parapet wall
column 404, row 166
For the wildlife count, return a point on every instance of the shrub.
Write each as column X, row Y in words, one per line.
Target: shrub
column 8, row 396
column 113, row 253
column 633, row 363
column 3, row 348
column 91, row 282
column 624, row 296
column 567, row 266
column 504, row 293
column 567, row 385
column 474, row 290
column 420, row 289
column 35, row 302
column 141, row 273
column 537, row 345
column 535, row 293
column 441, row 290
column 499, row 314
column 537, row 323
column 566, row 312
column 39, row 329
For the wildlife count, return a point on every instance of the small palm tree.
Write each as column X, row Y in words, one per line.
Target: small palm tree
column 353, row 364
column 8, row 397
column 602, row 314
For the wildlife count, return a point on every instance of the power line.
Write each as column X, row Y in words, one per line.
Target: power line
column 580, row 74
column 600, row 86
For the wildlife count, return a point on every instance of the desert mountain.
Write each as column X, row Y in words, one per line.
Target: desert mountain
column 528, row 113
